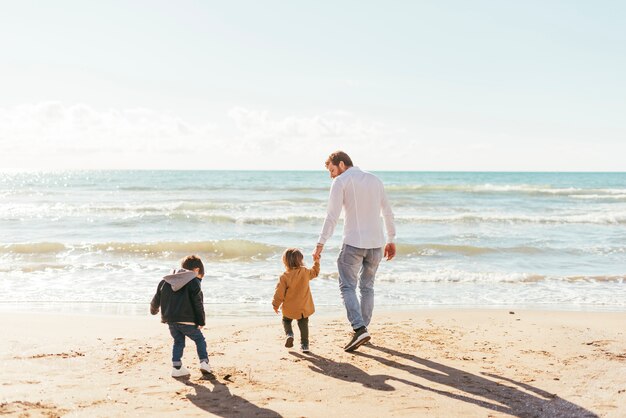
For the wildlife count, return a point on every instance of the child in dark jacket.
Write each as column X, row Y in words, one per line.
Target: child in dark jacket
column 179, row 297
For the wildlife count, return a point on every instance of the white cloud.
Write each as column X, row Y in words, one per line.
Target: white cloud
column 55, row 121
column 53, row 135
column 305, row 141
column 338, row 124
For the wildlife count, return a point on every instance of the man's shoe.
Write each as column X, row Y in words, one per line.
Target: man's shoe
column 205, row 368
column 182, row 371
column 289, row 342
column 304, row 348
column 361, row 336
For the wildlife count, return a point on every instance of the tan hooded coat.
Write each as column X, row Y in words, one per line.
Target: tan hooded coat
column 294, row 293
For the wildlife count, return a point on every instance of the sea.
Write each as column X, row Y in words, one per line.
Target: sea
column 100, row 241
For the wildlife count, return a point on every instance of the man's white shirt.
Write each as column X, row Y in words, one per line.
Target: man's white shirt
column 362, row 196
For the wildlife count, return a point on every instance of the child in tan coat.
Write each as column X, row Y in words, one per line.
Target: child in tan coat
column 294, row 293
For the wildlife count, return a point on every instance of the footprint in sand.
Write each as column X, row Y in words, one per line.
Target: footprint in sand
column 45, row 355
column 25, row 408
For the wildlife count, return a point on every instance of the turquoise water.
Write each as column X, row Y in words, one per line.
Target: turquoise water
column 553, row 240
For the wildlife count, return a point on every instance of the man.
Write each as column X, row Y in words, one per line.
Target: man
column 362, row 197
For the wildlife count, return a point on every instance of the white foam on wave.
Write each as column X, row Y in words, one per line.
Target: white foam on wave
column 506, row 188
column 460, row 276
column 616, row 196
column 137, row 284
column 616, row 217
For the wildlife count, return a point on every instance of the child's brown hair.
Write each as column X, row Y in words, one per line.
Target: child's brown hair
column 293, row 258
column 191, row 262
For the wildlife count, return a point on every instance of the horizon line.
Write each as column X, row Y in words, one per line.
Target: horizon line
column 60, row 170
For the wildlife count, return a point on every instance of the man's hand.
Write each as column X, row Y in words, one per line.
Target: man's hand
column 390, row 251
column 200, row 327
column 318, row 251
column 276, row 310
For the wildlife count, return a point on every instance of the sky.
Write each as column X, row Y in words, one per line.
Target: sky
column 398, row 85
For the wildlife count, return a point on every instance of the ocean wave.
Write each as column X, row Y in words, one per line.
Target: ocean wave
column 139, row 188
column 610, row 197
column 617, row 218
column 221, row 249
column 459, row 276
column 537, row 189
column 199, row 218
column 238, row 215
column 507, row 188
column 265, row 187
column 281, row 220
column 468, row 250
column 213, row 213
column 238, row 248
column 33, row 248
column 199, row 206
column 37, row 267
column 599, row 279
column 253, row 220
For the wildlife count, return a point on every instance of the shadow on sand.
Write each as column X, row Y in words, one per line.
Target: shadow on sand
column 514, row 398
column 346, row 371
column 221, row 402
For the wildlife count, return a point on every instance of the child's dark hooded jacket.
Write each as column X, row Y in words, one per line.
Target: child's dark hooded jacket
column 180, row 298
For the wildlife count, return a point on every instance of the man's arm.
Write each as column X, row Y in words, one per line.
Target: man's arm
column 335, row 204
column 388, row 218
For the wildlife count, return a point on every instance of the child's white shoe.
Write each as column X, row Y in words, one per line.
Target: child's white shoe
column 205, row 368
column 180, row 372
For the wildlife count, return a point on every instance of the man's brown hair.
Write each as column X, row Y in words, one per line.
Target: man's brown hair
column 293, row 258
column 338, row 156
column 191, row 262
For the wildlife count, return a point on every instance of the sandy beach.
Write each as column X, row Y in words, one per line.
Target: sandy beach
column 453, row 363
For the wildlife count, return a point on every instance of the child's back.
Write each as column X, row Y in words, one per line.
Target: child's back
column 294, row 292
column 179, row 298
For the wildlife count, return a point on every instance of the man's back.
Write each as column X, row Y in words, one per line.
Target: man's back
column 362, row 196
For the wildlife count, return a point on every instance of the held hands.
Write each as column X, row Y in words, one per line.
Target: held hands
column 390, row 251
column 318, row 252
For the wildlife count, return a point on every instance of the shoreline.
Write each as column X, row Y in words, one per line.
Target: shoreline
column 433, row 362
column 242, row 310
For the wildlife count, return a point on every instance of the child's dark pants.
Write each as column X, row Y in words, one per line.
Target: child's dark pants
column 303, row 324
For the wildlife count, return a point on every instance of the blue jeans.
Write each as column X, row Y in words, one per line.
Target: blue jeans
column 179, row 332
column 358, row 266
